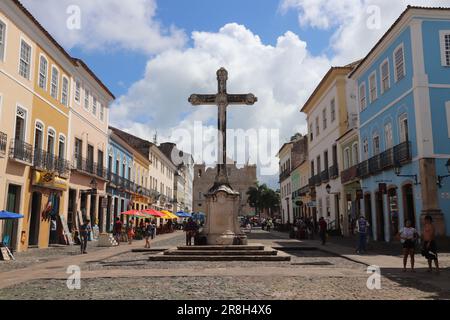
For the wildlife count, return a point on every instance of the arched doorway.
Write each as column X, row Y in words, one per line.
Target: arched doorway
column 380, row 216
column 393, row 210
column 368, row 212
column 408, row 204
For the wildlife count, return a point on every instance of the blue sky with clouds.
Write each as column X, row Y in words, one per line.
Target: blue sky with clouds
column 154, row 53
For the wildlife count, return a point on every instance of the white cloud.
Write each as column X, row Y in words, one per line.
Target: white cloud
column 281, row 76
column 352, row 21
column 107, row 25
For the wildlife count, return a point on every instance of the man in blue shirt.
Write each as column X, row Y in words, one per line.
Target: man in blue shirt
column 85, row 230
column 362, row 226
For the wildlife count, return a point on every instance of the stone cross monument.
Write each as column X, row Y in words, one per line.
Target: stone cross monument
column 222, row 227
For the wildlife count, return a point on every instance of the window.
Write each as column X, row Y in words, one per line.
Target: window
column 376, row 144
column 51, row 141
column 366, row 149
column 385, row 81
column 78, row 91
column 102, row 112
column 38, row 135
column 317, row 127
column 324, row 118
column 2, row 40
column 21, row 116
column 362, row 96
column 445, row 48
column 403, row 125
column 399, row 59
column 86, row 98
column 333, row 110
column 355, row 154
column 373, row 87
column 62, row 147
column 65, row 91
column 346, row 158
column 43, row 70
column 25, row 60
column 55, row 83
column 388, row 135
column 311, row 133
column 78, row 153
column 94, row 106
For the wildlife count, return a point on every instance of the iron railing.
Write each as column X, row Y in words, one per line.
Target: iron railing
column 117, row 181
column 3, row 143
column 387, row 159
column 21, row 151
column 374, row 164
column 89, row 167
column 334, row 172
column 325, row 176
column 284, row 175
column 363, row 169
column 349, row 174
column 402, row 152
column 48, row 162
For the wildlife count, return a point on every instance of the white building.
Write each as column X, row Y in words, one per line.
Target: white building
column 287, row 212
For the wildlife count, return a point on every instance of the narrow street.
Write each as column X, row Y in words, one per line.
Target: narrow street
column 333, row 272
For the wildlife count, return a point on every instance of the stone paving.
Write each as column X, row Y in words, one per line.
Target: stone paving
column 117, row 273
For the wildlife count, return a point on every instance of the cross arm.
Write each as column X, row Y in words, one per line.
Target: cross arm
column 247, row 99
column 202, row 99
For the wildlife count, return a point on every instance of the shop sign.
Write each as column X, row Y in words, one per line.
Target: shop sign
column 49, row 180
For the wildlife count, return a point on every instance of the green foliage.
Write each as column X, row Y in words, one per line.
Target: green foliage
column 262, row 197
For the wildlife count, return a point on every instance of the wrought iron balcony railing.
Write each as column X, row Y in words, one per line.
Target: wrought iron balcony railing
column 387, row 159
column 374, row 164
column 334, row 172
column 48, row 162
column 3, row 143
column 325, row 176
column 349, row 174
column 363, row 169
column 21, row 151
column 402, row 152
column 89, row 167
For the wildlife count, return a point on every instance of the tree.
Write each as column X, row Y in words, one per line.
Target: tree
column 262, row 197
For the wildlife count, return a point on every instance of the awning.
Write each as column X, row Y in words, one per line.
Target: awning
column 182, row 214
column 169, row 215
column 5, row 215
column 154, row 213
column 134, row 213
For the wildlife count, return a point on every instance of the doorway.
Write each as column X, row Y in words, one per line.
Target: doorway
column 36, row 203
column 368, row 212
column 410, row 212
column 72, row 209
column 100, row 214
column 380, row 216
column 10, row 226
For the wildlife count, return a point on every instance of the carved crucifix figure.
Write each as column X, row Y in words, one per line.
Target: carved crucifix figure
column 222, row 100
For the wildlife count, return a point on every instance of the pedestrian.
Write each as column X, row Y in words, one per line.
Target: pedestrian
column 85, row 230
column 362, row 227
column 323, row 230
column 429, row 250
column 153, row 229
column 117, row 230
column 408, row 237
column 147, row 234
column 130, row 231
column 191, row 231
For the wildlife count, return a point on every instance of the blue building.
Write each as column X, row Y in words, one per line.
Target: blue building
column 403, row 88
column 120, row 170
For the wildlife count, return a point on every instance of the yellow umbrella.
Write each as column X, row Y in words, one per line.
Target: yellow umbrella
column 169, row 215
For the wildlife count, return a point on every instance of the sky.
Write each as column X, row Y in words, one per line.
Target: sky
column 153, row 54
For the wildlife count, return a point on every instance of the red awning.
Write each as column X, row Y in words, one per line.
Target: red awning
column 154, row 213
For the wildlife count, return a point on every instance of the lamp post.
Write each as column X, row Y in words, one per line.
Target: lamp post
column 441, row 178
column 397, row 170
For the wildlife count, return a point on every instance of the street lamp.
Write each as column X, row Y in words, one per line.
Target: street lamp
column 93, row 184
column 328, row 188
column 440, row 178
column 397, row 170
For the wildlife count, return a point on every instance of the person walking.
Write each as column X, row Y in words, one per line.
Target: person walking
column 85, row 230
column 429, row 250
column 191, row 231
column 362, row 226
column 153, row 229
column 408, row 237
column 117, row 230
column 147, row 234
column 130, row 231
column 323, row 230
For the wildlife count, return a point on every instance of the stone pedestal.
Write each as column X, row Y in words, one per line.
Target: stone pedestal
column 222, row 225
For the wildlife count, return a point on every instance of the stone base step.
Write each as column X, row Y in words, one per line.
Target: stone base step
column 218, row 258
column 141, row 250
column 222, row 248
column 221, row 252
column 106, row 241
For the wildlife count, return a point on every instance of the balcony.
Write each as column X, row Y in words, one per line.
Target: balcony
column 21, row 151
column 48, row 162
column 284, row 175
column 349, row 174
column 325, row 176
column 334, row 171
column 3, row 143
column 374, row 165
column 89, row 167
column 317, row 180
column 397, row 155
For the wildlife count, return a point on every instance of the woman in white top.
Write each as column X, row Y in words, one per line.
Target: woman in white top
column 408, row 236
